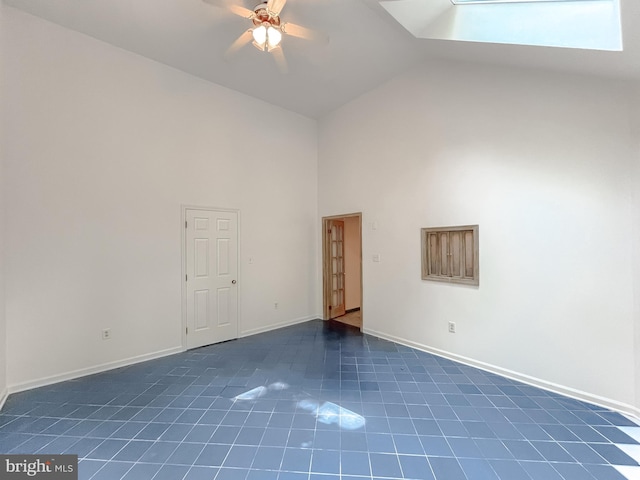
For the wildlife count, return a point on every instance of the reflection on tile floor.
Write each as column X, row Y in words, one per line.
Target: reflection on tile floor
column 317, row 401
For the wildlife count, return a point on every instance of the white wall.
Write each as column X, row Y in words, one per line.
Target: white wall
column 542, row 163
column 103, row 148
column 3, row 324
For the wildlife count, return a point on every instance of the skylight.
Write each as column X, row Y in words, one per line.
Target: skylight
column 461, row 2
column 585, row 24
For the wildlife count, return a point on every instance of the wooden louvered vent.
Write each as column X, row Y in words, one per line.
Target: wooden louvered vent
column 450, row 254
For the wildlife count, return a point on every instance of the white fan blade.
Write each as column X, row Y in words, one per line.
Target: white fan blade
column 240, row 42
column 303, row 32
column 280, row 59
column 276, row 6
column 233, row 8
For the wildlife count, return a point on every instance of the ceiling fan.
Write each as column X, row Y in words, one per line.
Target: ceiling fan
column 266, row 32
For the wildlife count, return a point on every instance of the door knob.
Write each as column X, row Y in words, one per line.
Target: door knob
column 233, row 281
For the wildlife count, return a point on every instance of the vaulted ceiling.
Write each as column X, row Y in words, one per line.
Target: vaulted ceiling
column 367, row 46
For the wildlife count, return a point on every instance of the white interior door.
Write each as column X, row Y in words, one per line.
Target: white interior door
column 211, row 250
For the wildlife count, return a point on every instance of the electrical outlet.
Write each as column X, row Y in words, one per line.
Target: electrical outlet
column 106, row 334
column 275, row 305
column 452, row 327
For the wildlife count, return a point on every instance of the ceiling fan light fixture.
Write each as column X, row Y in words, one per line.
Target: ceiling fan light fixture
column 260, row 36
column 268, row 29
column 274, row 36
column 266, row 36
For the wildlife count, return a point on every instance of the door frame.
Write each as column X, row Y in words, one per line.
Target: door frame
column 326, row 258
column 183, row 263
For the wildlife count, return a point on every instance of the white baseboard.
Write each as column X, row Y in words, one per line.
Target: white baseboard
column 274, row 326
column 529, row 380
column 42, row 382
column 3, row 397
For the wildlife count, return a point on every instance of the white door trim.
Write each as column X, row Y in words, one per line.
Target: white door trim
column 183, row 263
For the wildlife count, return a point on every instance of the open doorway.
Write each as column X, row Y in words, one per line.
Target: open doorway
column 342, row 268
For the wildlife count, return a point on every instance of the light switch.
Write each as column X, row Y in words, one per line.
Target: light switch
column 376, row 257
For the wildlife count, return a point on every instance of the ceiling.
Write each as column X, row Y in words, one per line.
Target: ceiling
column 367, row 46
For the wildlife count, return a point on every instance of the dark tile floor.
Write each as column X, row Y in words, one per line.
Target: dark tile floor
column 316, row 401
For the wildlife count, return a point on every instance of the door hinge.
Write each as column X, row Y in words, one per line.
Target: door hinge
column 187, row 330
column 185, row 224
column 186, row 278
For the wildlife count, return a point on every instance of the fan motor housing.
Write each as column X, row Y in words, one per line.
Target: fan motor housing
column 262, row 15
